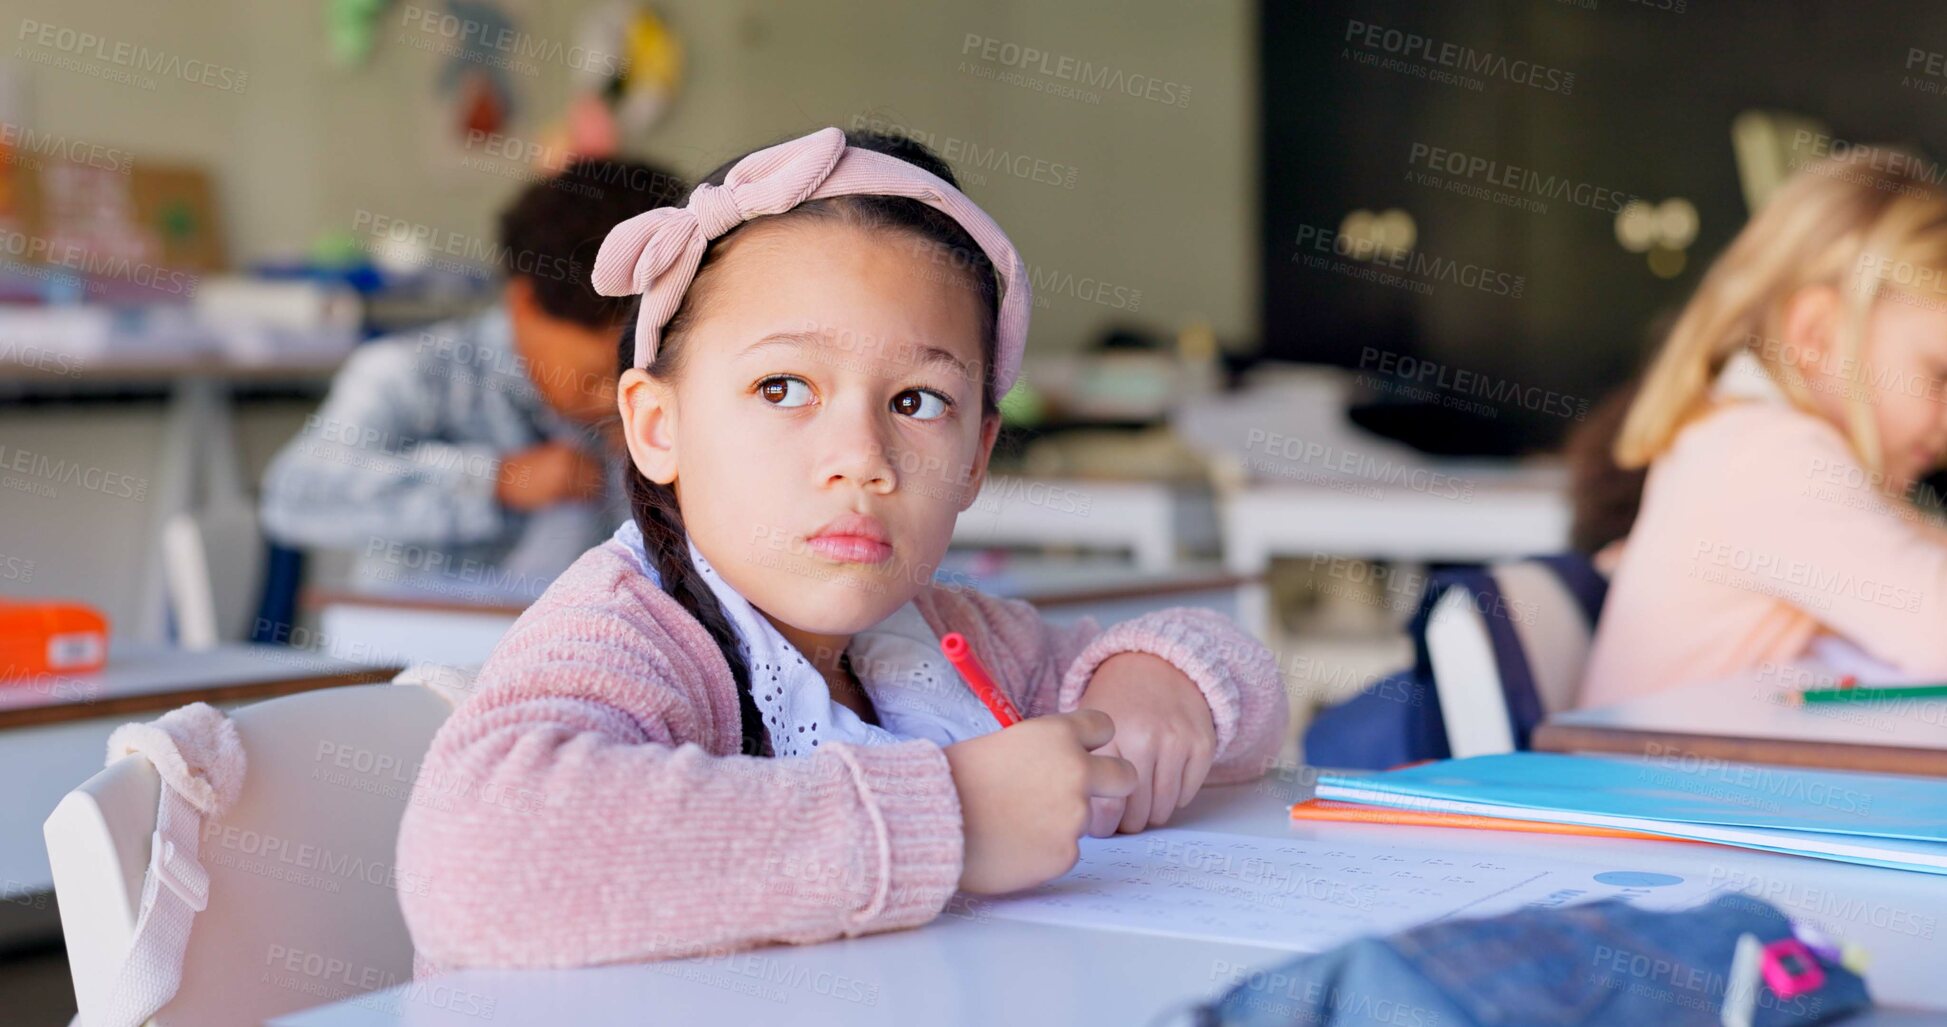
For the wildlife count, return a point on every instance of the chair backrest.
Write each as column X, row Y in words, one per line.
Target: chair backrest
column 1507, row 646
column 303, row 895
column 213, row 561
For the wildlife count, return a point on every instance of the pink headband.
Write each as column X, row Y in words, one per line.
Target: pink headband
column 656, row 253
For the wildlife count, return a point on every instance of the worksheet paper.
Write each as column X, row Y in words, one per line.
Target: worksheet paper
column 1307, row 895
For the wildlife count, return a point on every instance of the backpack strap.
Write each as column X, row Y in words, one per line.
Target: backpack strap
column 1577, row 573
column 1519, row 697
column 1584, row 584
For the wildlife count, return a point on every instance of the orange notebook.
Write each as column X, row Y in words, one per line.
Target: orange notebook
column 1326, row 809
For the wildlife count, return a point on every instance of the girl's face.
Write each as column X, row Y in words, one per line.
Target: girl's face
column 1905, row 384
column 825, row 429
column 1906, row 347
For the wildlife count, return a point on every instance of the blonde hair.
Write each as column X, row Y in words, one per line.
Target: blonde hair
column 1866, row 222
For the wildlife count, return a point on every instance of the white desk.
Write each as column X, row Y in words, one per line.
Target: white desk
column 1470, row 512
column 406, row 628
column 1299, row 479
column 1150, row 520
column 200, row 466
column 980, row 972
column 1111, row 591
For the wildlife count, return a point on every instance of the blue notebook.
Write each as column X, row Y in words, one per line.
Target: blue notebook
column 1876, row 819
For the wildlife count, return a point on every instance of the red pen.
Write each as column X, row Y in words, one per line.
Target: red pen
column 961, row 655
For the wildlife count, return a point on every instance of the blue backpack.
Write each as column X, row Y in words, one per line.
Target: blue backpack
column 1397, row 718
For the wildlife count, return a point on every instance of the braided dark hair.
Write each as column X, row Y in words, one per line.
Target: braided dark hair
column 665, row 540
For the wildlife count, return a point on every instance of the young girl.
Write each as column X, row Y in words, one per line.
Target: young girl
column 732, row 723
column 1799, row 397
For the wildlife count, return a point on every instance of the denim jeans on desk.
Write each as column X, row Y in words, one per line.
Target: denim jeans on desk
column 1604, row 963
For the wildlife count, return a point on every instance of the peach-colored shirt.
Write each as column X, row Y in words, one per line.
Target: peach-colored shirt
column 1758, row 531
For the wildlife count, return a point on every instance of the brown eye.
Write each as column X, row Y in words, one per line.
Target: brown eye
column 784, row 391
column 920, row 404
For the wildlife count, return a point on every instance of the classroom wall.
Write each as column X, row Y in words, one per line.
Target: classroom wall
column 305, row 146
column 1158, row 221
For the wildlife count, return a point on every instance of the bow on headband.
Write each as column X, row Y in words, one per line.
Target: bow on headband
column 657, row 253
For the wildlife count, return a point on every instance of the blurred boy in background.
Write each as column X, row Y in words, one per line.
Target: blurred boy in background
column 477, row 455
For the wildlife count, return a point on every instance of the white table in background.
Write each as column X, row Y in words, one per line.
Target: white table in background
column 1109, row 591
column 407, row 628
column 969, row 971
column 1300, row 479
column 410, row 627
column 1475, row 511
column 199, row 466
column 1150, row 520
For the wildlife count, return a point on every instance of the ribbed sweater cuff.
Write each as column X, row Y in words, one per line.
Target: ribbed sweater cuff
column 1180, row 638
column 915, row 811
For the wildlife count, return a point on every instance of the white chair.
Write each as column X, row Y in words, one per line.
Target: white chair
column 303, row 892
column 213, row 561
column 1545, row 633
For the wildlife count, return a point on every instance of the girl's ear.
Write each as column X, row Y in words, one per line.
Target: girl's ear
column 1811, row 322
column 648, row 410
column 990, row 429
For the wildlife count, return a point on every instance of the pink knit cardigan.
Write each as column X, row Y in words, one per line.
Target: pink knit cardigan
column 588, row 803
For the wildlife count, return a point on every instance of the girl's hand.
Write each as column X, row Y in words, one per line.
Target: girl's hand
column 550, row 473
column 1025, row 794
column 1163, row 726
